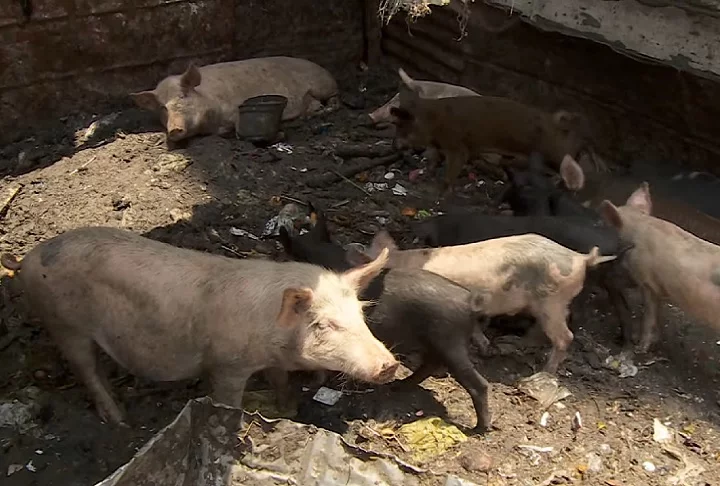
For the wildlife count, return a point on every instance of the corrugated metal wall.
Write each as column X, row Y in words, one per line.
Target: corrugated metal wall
column 636, row 109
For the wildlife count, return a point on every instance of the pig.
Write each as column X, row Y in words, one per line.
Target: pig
column 205, row 100
column 416, row 311
column 425, row 89
column 468, row 126
column 667, row 262
column 167, row 313
column 516, row 274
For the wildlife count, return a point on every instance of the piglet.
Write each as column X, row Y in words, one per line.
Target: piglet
column 469, row 126
column 169, row 314
column 204, row 100
column 516, row 274
column 667, row 262
column 416, row 312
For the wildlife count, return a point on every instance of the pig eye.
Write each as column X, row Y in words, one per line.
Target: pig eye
column 327, row 325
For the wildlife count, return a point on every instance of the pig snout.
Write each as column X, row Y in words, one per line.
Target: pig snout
column 387, row 372
column 176, row 131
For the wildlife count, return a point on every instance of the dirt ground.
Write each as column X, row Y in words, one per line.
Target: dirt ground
column 119, row 172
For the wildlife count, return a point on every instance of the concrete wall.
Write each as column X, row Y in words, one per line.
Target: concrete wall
column 637, row 109
column 78, row 54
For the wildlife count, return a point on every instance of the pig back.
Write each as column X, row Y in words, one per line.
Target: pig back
column 162, row 312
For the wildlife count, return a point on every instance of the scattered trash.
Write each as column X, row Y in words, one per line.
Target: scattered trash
column 399, row 190
column 283, row 147
column 594, row 462
column 409, row 212
column 689, row 428
column 39, row 452
column 605, row 449
column 544, row 419
column 660, row 432
column 623, row 364
column 601, row 425
column 389, row 176
column 430, row 437
column 327, row 396
column 414, row 174
column 290, row 217
column 576, row 422
column 376, row 186
column 13, row 468
column 421, row 214
column 381, row 219
column 93, row 128
column 16, row 414
column 456, row 481
column 544, row 388
column 241, row 232
column 649, row 466
column 30, row 467
column 535, row 448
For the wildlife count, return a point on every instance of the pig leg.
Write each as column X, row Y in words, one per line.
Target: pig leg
column 651, row 306
column 554, row 322
column 80, row 353
column 454, row 162
column 228, row 385
column 461, row 368
column 428, row 366
column 278, row 379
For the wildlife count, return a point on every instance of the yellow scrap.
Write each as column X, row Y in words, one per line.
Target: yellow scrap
column 430, row 437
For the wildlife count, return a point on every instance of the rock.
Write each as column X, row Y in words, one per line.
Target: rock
column 476, row 461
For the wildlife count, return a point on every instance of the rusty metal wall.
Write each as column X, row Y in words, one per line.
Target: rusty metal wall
column 637, row 110
column 79, row 54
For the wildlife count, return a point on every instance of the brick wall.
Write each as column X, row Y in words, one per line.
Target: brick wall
column 637, row 109
column 80, row 54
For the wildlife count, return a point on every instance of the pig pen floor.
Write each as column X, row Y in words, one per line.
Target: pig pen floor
column 117, row 171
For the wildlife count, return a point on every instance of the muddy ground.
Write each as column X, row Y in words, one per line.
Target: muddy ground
column 120, row 173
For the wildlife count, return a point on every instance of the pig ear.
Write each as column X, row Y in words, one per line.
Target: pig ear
column 571, row 173
column 610, row 214
column 640, row 199
column 477, row 302
column 191, row 78
column 360, row 277
column 147, row 100
column 407, row 80
column 295, row 303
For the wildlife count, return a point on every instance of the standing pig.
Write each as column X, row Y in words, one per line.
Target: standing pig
column 205, row 100
column 469, row 126
column 667, row 262
column 168, row 313
column 507, row 276
column 416, row 312
column 424, row 89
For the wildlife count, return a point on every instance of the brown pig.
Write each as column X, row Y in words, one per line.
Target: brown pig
column 168, row 313
column 667, row 263
column 204, row 100
column 424, row 89
column 526, row 273
column 465, row 127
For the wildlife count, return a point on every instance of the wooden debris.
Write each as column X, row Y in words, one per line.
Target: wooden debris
column 8, row 196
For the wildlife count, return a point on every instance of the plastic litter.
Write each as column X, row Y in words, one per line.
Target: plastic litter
column 376, row 186
column 241, row 232
column 13, row 468
column 283, row 147
column 649, row 466
column 430, row 437
column 327, row 396
column 389, row 176
column 661, row 433
column 399, row 190
column 290, row 217
column 544, row 388
column 544, row 419
column 623, row 364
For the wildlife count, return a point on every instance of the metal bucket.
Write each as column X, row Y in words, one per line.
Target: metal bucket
column 259, row 118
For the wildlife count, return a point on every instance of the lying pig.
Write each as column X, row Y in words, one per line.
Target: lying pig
column 424, row 89
column 507, row 276
column 667, row 263
column 168, row 313
column 469, row 126
column 416, row 312
column 205, row 100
